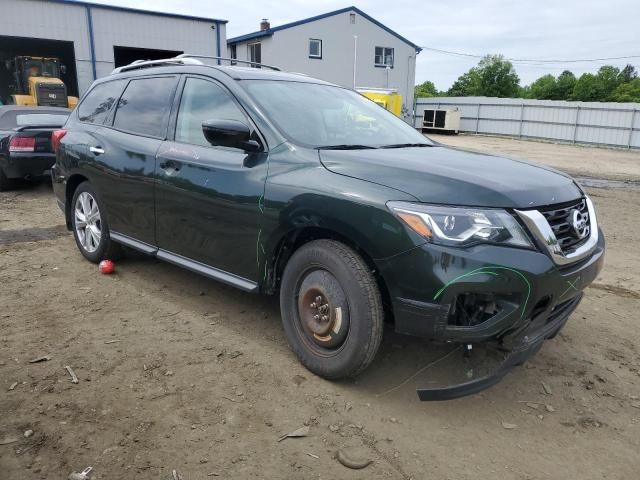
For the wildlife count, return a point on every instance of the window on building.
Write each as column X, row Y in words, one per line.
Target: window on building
column 352, row 18
column 255, row 53
column 315, row 48
column 234, row 53
column 96, row 105
column 384, row 57
column 203, row 100
column 144, row 106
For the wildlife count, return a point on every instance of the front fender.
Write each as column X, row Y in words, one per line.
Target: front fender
column 301, row 193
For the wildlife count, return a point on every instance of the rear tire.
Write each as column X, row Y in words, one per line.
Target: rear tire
column 90, row 227
column 331, row 309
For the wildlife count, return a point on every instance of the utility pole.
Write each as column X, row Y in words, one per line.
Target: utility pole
column 355, row 59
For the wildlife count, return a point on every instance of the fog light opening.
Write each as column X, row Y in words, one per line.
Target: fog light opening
column 470, row 309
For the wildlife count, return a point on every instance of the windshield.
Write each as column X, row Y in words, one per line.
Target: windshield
column 40, row 119
column 321, row 116
column 41, row 68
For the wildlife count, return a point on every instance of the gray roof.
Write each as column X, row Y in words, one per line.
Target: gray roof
column 137, row 10
column 270, row 31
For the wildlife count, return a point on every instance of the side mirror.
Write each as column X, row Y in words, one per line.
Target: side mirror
column 230, row 133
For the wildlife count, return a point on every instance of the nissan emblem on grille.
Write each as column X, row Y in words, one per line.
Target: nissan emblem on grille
column 579, row 223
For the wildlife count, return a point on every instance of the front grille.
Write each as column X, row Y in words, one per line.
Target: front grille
column 52, row 95
column 560, row 219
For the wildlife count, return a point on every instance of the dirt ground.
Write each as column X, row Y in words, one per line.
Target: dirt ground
column 177, row 372
column 579, row 160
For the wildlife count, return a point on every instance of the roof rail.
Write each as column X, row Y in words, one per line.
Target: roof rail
column 139, row 64
column 231, row 60
column 183, row 59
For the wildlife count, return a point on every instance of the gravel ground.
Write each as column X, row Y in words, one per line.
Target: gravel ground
column 177, row 372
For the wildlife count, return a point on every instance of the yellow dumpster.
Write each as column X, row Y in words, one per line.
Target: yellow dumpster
column 388, row 99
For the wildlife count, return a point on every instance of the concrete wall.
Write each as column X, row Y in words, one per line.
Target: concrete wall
column 597, row 123
column 289, row 50
column 65, row 21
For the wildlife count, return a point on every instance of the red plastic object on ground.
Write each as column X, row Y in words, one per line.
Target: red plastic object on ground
column 107, row 267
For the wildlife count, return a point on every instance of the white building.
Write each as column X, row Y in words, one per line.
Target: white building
column 346, row 47
column 91, row 39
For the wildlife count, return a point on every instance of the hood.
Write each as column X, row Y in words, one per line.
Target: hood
column 455, row 177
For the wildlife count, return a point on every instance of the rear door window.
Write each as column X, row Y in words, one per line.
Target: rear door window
column 144, row 106
column 201, row 101
column 96, row 105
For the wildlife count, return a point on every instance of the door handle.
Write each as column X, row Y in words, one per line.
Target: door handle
column 96, row 150
column 170, row 166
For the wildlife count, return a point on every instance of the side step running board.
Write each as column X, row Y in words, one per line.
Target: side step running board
column 192, row 265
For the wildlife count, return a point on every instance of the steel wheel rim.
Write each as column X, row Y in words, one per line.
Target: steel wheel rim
column 326, row 337
column 88, row 223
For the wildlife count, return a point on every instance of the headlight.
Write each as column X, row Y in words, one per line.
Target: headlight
column 461, row 226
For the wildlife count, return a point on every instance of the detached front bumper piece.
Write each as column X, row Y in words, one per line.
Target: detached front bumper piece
column 526, row 343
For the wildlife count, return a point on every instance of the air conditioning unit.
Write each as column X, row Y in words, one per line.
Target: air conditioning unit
column 441, row 119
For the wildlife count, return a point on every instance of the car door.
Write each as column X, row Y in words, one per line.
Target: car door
column 125, row 148
column 208, row 197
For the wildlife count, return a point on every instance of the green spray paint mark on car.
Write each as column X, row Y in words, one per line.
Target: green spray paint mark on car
column 490, row 270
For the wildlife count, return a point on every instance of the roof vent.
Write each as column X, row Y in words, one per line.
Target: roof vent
column 264, row 24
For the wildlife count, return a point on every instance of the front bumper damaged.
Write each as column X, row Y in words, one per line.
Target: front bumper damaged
column 525, row 299
column 529, row 341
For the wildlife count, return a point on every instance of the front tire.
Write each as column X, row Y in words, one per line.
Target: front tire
column 331, row 309
column 90, row 227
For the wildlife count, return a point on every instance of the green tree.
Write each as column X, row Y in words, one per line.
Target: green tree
column 564, row 85
column 586, row 88
column 627, row 92
column 525, row 92
column 607, row 80
column 627, row 74
column 544, row 88
column 426, row 89
column 466, row 85
column 492, row 77
column 497, row 77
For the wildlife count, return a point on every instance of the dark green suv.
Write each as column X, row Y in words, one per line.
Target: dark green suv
column 278, row 182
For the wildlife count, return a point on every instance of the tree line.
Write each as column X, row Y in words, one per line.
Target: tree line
column 494, row 76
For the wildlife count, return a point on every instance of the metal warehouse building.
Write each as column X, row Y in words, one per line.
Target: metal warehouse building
column 91, row 40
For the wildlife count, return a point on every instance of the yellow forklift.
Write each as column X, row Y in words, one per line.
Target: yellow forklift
column 36, row 82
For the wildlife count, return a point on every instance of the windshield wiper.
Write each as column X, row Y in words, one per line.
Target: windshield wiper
column 406, row 145
column 345, row 147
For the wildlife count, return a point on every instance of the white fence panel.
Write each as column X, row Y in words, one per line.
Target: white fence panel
column 609, row 124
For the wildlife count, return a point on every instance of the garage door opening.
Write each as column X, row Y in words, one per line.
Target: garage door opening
column 126, row 55
column 12, row 47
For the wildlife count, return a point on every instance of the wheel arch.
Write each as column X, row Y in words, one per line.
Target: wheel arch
column 70, row 188
column 294, row 239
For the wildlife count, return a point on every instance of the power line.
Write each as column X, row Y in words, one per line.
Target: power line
column 532, row 60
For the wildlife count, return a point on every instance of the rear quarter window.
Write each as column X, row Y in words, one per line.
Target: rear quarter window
column 145, row 105
column 95, row 107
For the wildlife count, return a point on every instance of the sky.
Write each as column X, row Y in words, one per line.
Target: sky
column 518, row 29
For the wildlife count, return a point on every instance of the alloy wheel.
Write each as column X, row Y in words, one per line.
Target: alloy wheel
column 87, row 222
